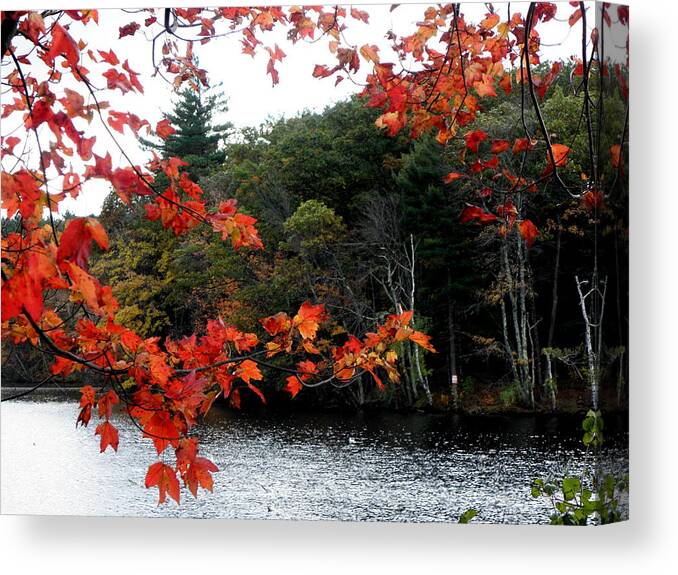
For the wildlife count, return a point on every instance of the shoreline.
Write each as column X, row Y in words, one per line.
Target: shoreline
column 289, row 408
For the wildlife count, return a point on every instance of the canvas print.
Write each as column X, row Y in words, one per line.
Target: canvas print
column 336, row 262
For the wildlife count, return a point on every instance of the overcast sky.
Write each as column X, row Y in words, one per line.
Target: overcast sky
column 251, row 96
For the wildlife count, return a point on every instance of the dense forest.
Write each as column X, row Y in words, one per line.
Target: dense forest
column 372, row 224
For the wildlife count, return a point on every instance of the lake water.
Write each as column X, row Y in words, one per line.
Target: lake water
column 345, row 467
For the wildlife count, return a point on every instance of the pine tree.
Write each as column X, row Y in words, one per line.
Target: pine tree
column 197, row 138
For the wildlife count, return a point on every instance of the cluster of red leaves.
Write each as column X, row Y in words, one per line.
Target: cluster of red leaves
column 442, row 91
column 498, row 184
column 378, row 349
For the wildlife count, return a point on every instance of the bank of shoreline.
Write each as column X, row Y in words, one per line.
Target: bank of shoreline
column 279, row 404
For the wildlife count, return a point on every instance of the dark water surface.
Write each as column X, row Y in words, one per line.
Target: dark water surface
column 358, row 467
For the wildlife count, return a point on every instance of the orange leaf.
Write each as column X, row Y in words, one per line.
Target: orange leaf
column 499, row 146
column 522, row 145
column 86, row 285
column 593, row 200
column 452, row 176
column 560, row 152
column 33, row 26
column 473, row 140
column 23, row 291
column 248, row 370
column 87, row 401
column 294, row 385
column 161, row 430
column 574, row 17
column 165, row 478
column 490, row 21
column 615, row 154
column 422, row 340
column 109, row 436
column 370, row 52
column 529, row 231
column 308, row 319
column 278, row 323
column 164, row 129
column 199, row 473
column 106, row 403
column 109, row 57
column 360, row 15
column 75, row 243
column 474, row 213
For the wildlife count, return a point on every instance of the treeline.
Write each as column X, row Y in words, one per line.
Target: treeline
column 367, row 224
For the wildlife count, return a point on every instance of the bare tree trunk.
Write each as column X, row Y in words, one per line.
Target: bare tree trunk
column 524, row 328
column 593, row 332
column 554, row 293
column 507, row 342
column 417, row 360
column 517, row 299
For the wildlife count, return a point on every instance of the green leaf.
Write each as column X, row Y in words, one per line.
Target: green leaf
column 468, row 515
column 571, row 486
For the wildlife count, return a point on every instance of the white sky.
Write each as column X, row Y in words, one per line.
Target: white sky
column 251, row 96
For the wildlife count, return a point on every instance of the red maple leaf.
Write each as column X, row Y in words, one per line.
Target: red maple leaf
column 473, row 140
column 109, row 436
column 164, row 129
column 129, row 29
column 308, row 319
column 106, row 403
column 199, row 473
column 63, row 45
column 499, row 146
column 161, row 429
column 76, row 241
column 165, row 479
column 293, row 385
column 560, row 152
column 248, row 370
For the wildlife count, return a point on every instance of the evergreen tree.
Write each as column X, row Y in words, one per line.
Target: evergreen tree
column 197, row 139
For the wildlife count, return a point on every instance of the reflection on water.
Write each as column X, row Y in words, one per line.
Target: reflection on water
column 368, row 468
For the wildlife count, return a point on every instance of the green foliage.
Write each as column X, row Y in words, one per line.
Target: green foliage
column 468, row 515
column 468, row 385
column 510, row 395
column 593, row 429
column 593, row 497
column 334, row 197
column 313, row 227
column 159, row 279
column 337, row 157
column 576, row 504
column 138, row 269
